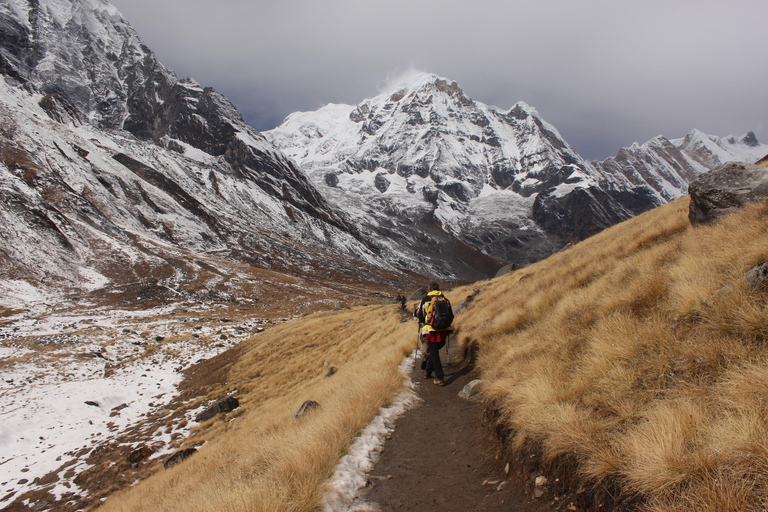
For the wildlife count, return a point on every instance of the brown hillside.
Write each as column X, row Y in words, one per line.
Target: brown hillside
column 258, row 457
column 635, row 363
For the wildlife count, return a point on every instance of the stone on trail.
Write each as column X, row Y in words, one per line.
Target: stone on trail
column 471, row 390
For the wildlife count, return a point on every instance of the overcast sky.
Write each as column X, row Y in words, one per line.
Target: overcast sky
column 605, row 73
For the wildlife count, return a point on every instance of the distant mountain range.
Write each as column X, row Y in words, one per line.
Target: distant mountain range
column 114, row 172
column 426, row 170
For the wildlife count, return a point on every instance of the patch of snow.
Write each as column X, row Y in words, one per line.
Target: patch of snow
column 349, row 478
column 14, row 293
column 92, row 280
column 59, row 392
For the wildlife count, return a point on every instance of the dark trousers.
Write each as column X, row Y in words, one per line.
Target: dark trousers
column 433, row 363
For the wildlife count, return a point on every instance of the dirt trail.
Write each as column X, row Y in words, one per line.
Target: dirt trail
column 438, row 459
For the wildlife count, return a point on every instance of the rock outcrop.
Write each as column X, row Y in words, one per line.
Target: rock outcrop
column 725, row 189
column 307, row 406
column 178, row 457
column 111, row 168
column 757, row 278
column 224, row 405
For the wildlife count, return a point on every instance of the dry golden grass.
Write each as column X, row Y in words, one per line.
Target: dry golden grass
column 260, row 458
column 641, row 354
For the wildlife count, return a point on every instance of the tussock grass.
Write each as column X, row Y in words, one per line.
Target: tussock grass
column 260, row 458
column 640, row 354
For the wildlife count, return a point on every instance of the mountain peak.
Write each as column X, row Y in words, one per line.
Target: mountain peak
column 750, row 139
column 421, row 82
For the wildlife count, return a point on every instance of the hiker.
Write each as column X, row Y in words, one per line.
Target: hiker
column 401, row 299
column 436, row 314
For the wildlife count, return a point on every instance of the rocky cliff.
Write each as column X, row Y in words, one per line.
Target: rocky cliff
column 114, row 171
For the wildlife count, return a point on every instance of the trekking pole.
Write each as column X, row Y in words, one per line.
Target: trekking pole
column 448, row 349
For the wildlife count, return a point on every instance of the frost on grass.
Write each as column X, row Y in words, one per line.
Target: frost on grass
column 350, row 476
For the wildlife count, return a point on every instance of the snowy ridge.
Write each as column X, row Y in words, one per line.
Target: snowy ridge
column 102, row 207
column 422, row 163
column 423, row 151
column 666, row 166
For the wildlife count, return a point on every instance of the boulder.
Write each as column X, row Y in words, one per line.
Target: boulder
column 178, row 457
column 506, row 269
column 758, row 276
column 305, row 407
column 471, row 390
column 418, row 294
column 724, row 189
column 227, row 404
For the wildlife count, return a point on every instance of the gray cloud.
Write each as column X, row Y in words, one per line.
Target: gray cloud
column 605, row 73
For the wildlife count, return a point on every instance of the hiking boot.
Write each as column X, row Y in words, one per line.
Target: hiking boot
column 427, row 376
column 439, row 382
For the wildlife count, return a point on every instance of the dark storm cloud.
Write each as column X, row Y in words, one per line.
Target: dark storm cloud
column 605, row 73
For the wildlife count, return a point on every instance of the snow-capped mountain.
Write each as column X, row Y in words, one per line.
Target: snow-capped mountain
column 667, row 166
column 113, row 170
column 425, row 169
column 110, row 162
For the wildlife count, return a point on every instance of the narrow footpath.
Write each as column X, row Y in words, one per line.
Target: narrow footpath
column 437, row 459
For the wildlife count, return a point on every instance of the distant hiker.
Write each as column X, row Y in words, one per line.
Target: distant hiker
column 436, row 315
column 401, row 299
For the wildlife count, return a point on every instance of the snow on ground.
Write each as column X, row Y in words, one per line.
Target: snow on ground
column 16, row 292
column 72, row 382
column 350, row 476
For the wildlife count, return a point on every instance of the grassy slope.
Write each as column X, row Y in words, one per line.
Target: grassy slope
column 259, row 458
column 638, row 357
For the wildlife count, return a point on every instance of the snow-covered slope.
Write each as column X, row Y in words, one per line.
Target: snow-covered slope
column 112, row 171
column 423, row 165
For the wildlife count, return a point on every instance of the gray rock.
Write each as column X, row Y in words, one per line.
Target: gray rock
column 179, row 456
column 305, row 407
column 418, row 294
column 758, row 276
column 381, row 182
column 725, row 189
column 331, row 179
column 471, row 390
column 227, row 404
column 506, row 269
column 332, row 370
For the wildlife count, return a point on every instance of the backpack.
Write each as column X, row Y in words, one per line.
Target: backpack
column 440, row 314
